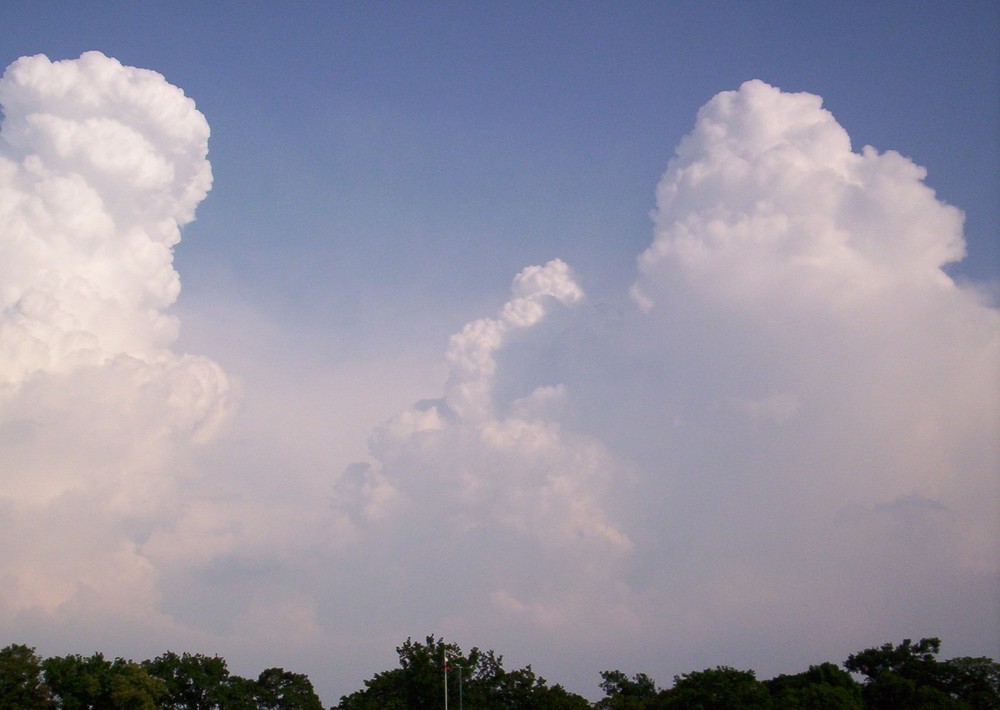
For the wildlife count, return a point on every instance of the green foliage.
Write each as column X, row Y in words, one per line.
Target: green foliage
column 78, row 681
column 417, row 683
column 623, row 693
column 916, row 662
column 381, row 691
column 822, row 687
column 278, row 689
column 193, row 681
column 240, row 694
column 720, row 688
column 557, row 697
column 477, row 680
column 906, row 676
column 909, row 675
column 21, row 683
column 94, row 682
column 132, row 688
column 975, row 681
column 173, row 682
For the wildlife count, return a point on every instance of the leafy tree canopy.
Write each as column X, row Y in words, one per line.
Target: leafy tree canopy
column 477, row 680
column 892, row 676
column 624, row 693
column 822, row 687
column 83, row 682
column 720, row 688
column 910, row 675
column 21, row 684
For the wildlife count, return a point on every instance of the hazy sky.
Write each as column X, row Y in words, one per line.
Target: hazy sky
column 649, row 336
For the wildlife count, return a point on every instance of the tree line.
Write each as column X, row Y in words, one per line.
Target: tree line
column 889, row 677
column 167, row 682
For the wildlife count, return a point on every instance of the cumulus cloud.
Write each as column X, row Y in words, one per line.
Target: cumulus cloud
column 100, row 167
column 485, row 483
column 781, row 437
column 814, row 275
column 825, row 378
column 790, row 434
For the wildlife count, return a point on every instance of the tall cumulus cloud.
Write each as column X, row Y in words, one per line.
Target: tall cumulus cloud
column 788, row 438
column 100, row 167
column 779, row 443
column 828, row 394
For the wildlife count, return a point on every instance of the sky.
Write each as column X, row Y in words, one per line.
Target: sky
column 651, row 336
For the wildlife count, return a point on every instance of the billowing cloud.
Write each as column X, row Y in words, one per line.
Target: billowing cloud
column 100, row 167
column 778, row 444
column 486, row 476
column 802, row 282
column 790, row 433
column 827, row 394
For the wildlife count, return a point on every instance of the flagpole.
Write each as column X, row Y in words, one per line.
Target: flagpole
column 444, row 657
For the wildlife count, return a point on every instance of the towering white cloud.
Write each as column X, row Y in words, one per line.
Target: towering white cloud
column 785, row 438
column 815, row 277
column 100, row 166
column 792, row 433
column 829, row 395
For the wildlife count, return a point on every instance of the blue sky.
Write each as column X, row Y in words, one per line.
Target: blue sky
column 711, row 408
column 356, row 143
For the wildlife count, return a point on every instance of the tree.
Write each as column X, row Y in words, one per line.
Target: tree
column 21, row 681
column 909, row 675
column 278, row 689
column 132, row 688
column 623, row 693
column 916, row 662
column 416, row 684
column 193, row 682
column 557, row 697
column 520, row 688
column 975, row 681
column 822, row 687
column 79, row 682
column 485, row 684
column 239, row 693
column 382, row 692
column 86, row 682
column 169, row 681
column 721, row 688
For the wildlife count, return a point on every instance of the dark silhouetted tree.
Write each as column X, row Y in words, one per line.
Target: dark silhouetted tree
column 822, row 687
column 721, row 688
column 21, row 681
column 278, row 689
column 975, row 681
column 484, row 683
column 624, row 693
column 91, row 682
column 910, row 676
column 193, row 681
